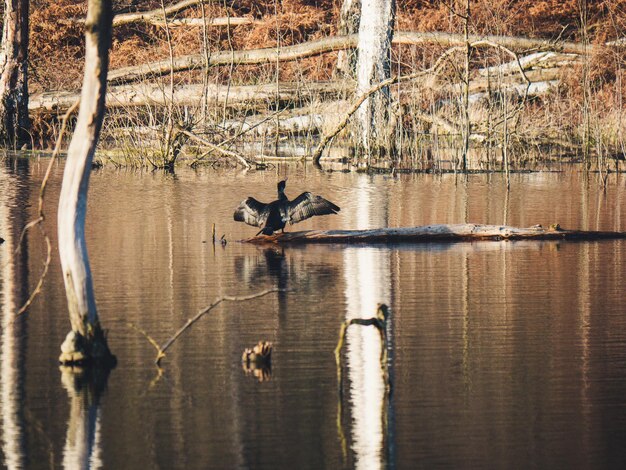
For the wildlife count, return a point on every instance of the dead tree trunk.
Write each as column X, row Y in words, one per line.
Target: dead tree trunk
column 14, row 121
column 348, row 24
column 86, row 342
column 374, row 66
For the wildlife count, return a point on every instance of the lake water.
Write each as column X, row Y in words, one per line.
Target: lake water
column 501, row 354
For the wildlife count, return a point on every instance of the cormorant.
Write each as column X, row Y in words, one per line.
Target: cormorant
column 276, row 214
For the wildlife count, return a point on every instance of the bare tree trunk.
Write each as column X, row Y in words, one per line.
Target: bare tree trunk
column 466, row 86
column 14, row 122
column 374, row 66
column 86, row 342
column 348, row 24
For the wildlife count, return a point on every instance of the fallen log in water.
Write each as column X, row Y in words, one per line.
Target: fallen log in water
column 438, row 233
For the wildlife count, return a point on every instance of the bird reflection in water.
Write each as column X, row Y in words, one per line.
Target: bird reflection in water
column 286, row 269
column 254, row 270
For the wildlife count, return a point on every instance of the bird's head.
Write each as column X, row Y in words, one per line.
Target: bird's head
column 281, row 185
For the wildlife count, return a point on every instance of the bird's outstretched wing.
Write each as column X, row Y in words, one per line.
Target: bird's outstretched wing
column 307, row 205
column 251, row 212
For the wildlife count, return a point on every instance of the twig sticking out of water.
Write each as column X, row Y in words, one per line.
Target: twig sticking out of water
column 379, row 321
column 165, row 346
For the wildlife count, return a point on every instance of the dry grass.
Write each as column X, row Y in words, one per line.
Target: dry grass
column 57, row 48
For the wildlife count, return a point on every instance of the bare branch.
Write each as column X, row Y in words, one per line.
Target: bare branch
column 330, row 44
column 217, row 148
column 199, row 22
column 161, row 349
column 317, row 154
column 148, row 16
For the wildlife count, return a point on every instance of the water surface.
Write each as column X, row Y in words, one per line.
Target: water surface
column 501, row 354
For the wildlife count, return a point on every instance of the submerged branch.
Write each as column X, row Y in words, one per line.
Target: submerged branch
column 380, row 323
column 161, row 349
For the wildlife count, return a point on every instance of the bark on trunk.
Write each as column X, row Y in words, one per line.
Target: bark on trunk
column 349, row 20
column 374, row 66
column 86, row 342
column 14, row 120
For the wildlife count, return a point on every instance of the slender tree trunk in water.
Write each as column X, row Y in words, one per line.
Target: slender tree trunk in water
column 348, row 24
column 374, row 66
column 86, row 342
column 14, row 122
column 466, row 84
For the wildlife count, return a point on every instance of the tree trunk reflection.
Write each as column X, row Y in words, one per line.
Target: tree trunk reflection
column 367, row 283
column 13, row 292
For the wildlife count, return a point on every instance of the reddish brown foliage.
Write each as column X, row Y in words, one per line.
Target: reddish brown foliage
column 56, row 48
column 57, row 42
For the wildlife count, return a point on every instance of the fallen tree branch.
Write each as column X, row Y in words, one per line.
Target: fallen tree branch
column 245, row 57
column 152, row 94
column 511, row 42
column 535, row 61
column 330, row 44
column 202, row 22
column 163, row 348
column 148, row 16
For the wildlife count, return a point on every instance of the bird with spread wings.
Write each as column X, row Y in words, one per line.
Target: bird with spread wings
column 275, row 215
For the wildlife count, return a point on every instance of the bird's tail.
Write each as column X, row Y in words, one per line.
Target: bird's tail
column 265, row 231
